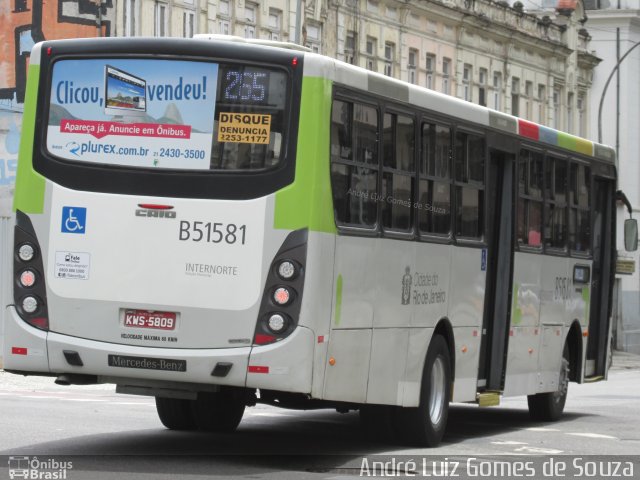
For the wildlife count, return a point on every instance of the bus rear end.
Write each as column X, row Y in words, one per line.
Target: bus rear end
column 145, row 246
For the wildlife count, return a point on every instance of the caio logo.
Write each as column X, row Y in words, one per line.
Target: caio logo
column 155, row 211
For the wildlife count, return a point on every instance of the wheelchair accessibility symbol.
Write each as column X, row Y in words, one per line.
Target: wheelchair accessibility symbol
column 74, row 220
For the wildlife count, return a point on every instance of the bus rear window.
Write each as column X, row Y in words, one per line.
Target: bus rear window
column 168, row 114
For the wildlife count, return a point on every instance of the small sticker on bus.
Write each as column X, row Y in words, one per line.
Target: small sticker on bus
column 72, row 265
column 244, row 128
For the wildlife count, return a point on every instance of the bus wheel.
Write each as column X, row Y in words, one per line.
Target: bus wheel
column 175, row 413
column 425, row 425
column 548, row 407
column 219, row 412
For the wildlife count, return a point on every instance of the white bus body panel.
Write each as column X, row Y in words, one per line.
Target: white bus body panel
column 545, row 304
column 154, row 270
column 391, row 306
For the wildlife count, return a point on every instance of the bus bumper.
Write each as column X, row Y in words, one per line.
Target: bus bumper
column 286, row 365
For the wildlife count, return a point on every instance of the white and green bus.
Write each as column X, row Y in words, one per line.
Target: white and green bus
column 217, row 223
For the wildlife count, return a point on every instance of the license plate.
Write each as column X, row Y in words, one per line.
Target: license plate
column 149, row 319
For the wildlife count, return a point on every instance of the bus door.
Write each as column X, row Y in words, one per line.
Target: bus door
column 603, row 241
column 500, row 225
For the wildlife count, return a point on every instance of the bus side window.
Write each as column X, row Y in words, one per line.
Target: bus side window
column 469, row 172
column 579, row 210
column 556, row 204
column 530, row 201
column 434, row 203
column 399, row 172
column 354, row 163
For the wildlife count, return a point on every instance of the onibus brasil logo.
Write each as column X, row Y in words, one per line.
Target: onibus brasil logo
column 36, row 469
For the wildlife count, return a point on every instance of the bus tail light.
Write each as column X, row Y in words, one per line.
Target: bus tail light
column 29, row 292
column 282, row 298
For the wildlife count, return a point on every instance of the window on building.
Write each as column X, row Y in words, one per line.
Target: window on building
column 530, row 198
column 542, row 104
column 467, row 74
column 354, row 163
column 20, row 6
column 161, row 19
column 556, row 183
column 223, row 7
column 224, row 27
column 389, row 57
column 350, row 47
column 570, row 112
column 275, row 19
column 528, row 93
column 275, row 24
column 515, row 96
column 188, row 24
column 372, row 51
column 372, row 6
column 250, row 17
column 130, row 15
column 392, row 12
column 434, row 214
column 398, row 172
column 412, row 65
column 556, row 108
column 580, row 209
column 582, row 117
column 482, row 87
column 497, row 89
column 250, row 10
column 430, row 65
column 469, row 158
column 446, row 72
column 314, row 36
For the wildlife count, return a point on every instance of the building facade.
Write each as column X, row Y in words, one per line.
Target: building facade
column 539, row 68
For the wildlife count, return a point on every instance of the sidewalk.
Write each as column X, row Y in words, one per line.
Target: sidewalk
column 625, row 361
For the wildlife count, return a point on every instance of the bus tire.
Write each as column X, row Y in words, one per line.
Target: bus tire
column 219, row 412
column 548, row 407
column 425, row 425
column 175, row 413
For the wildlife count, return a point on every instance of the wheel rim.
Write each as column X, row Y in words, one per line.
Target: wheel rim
column 437, row 391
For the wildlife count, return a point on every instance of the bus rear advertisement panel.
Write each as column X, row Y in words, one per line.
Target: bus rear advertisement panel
column 162, row 117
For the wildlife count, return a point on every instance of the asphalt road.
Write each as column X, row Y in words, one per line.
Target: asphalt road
column 115, row 434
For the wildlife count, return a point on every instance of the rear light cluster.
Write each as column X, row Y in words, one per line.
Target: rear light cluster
column 29, row 290
column 280, row 307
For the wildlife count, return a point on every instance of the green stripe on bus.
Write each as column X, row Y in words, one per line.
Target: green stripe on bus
column 516, row 313
column 307, row 202
column 566, row 141
column 338, row 314
column 29, row 192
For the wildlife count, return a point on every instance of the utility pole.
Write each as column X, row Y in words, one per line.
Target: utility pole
column 606, row 85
